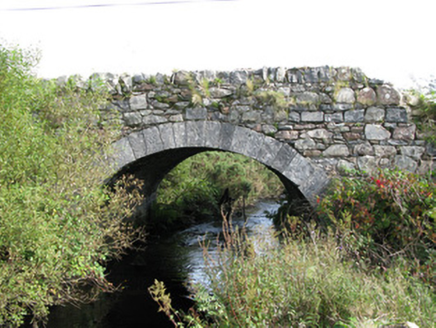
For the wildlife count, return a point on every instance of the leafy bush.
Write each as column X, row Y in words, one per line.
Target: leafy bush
column 58, row 223
column 367, row 259
column 193, row 189
column 384, row 215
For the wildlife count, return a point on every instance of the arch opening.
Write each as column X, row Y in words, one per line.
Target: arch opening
column 151, row 153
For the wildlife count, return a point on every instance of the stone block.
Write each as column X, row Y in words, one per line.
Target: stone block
column 345, row 96
column 315, row 185
column 344, row 166
column 251, row 116
column 198, row 113
column 137, row 143
column 396, row 115
column 404, row 133
column 367, row 96
column 305, row 144
column 351, row 136
column 154, row 119
column 269, row 150
column 182, row 78
column 326, row 107
column 284, row 157
column 122, row 154
column 212, row 132
column 227, row 131
column 287, row 135
column 385, row 151
column 367, row 163
column 334, row 117
column 138, row 102
column 312, row 153
column 294, row 117
column 325, row 99
column 153, row 140
column 176, row 118
column 356, row 115
column 336, row 151
column 342, row 107
column 312, row 116
column 395, row 142
column 375, row 114
column 195, row 134
column 219, row 92
column 307, row 98
column 159, row 105
column 387, row 95
column 167, row 135
column 299, row 170
column 132, row 118
column 238, row 77
column 376, row 132
column 320, row 134
column 120, row 105
column 180, row 134
column 269, row 129
column 247, row 142
column 414, row 152
column 280, row 115
column 405, row 163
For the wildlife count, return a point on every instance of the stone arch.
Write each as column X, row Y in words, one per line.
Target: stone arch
column 154, row 151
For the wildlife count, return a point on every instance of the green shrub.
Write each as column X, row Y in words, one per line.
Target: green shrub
column 384, row 215
column 303, row 282
column 58, row 224
column 367, row 259
column 194, row 187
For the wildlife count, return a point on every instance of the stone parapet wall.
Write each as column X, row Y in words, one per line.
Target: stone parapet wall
column 337, row 117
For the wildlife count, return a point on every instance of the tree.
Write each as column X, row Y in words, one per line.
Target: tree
column 58, row 222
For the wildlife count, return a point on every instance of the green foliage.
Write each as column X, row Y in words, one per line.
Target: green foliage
column 367, row 260
column 193, row 189
column 384, row 215
column 305, row 282
column 58, row 225
column 426, row 115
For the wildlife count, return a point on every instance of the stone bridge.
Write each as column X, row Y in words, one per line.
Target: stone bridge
column 305, row 124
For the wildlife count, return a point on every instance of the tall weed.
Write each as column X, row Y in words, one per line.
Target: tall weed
column 304, row 283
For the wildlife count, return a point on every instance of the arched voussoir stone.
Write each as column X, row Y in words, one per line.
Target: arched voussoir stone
column 154, row 144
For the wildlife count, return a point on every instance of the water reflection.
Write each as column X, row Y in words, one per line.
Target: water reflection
column 257, row 226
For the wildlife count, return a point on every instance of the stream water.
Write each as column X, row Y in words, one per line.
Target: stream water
column 177, row 260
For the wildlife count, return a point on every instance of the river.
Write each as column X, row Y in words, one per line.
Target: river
column 177, row 260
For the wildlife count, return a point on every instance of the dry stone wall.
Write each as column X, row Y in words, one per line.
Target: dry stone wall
column 337, row 117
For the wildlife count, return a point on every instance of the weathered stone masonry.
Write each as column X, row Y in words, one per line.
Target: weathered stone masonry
column 335, row 118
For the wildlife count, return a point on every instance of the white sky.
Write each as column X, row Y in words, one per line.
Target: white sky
column 387, row 39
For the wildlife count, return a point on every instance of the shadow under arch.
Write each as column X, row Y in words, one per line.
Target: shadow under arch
column 151, row 153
